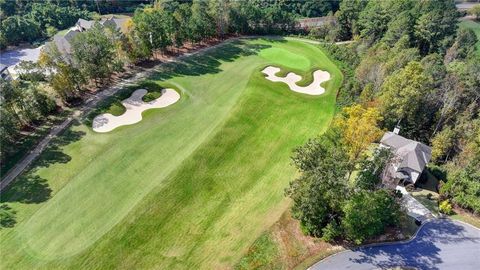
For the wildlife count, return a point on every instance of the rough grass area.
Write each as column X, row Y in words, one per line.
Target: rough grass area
column 475, row 26
column 263, row 254
column 466, row 217
column 192, row 186
column 284, row 246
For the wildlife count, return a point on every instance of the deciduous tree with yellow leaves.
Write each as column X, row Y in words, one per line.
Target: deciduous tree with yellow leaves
column 359, row 128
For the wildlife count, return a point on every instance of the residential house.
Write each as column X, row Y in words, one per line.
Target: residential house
column 117, row 23
column 409, row 159
column 310, row 23
column 63, row 41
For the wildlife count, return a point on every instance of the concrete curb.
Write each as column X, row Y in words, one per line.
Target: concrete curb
column 395, row 242
column 464, row 223
column 376, row 244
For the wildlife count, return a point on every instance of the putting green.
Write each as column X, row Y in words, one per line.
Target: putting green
column 286, row 58
column 191, row 185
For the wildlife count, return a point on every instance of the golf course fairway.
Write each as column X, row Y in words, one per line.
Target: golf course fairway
column 192, row 185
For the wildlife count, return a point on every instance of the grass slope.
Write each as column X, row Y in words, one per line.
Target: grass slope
column 191, row 186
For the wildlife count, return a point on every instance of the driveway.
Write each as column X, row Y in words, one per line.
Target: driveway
column 13, row 57
column 413, row 207
column 440, row 244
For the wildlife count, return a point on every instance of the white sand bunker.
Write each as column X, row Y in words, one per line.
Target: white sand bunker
column 291, row 80
column 134, row 106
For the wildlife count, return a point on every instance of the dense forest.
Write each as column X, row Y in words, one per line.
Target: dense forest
column 33, row 20
column 409, row 64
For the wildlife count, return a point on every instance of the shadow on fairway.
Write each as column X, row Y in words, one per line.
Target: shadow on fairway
column 421, row 253
column 54, row 152
column 196, row 65
column 30, row 187
column 7, row 216
column 208, row 62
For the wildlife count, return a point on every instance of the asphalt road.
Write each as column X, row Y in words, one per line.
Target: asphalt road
column 440, row 244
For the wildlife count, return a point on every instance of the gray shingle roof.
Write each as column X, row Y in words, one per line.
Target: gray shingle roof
column 412, row 154
column 118, row 23
column 64, row 42
column 85, row 24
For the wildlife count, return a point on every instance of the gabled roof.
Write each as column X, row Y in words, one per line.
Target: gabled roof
column 63, row 42
column 394, row 140
column 117, row 23
column 413, row 155
column 85, row 24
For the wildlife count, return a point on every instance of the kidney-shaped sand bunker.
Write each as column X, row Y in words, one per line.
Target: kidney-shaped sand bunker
column 134, row 106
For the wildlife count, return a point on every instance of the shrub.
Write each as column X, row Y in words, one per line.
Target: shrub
column 367, row 214
column 446, row 208
column 410, row 187
column 331, row 231
column 438, row 172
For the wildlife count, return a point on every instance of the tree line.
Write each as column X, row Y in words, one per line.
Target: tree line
column 410, row 65
column 154, row 30
column 31, row 20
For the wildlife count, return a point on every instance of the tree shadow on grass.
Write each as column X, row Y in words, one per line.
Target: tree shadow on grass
column 424, row 252
column 208, row 62
column 30, row 187
column 195, row 65
column 7, row 216
column 54, row 152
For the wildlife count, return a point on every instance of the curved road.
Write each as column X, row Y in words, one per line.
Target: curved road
column 440, row 244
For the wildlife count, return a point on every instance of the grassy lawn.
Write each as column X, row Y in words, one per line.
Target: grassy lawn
column 466, row 217
column 190, row 186
column 475, row 26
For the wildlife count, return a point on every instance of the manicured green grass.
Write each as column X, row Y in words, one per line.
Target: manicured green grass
column 475, row 26
column 190, row 186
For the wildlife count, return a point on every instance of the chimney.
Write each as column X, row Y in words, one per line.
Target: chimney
column 396, row 130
